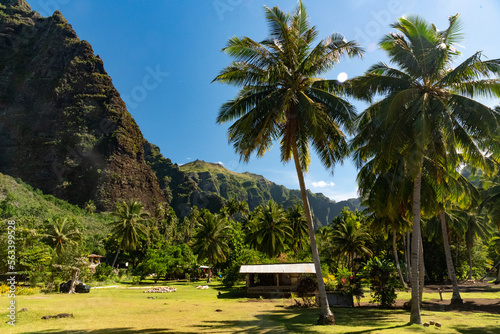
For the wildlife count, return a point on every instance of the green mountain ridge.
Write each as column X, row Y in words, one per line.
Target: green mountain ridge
column 208, row 185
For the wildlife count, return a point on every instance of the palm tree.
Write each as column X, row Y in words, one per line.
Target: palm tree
column 282, row 98
column 348, row 238
column 211, row 239
column 129, row 226
column 298, row 223
column 90, row 207
column 427, row 110
column 233, row 206
column 270, row 230
column 62, row 233
column 472, row 227
column 386, row 196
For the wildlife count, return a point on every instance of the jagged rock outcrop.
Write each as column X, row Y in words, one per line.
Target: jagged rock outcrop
column 63, row 126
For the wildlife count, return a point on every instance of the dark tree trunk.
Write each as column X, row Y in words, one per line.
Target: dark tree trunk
column 469, row 251
column 116, row 257
column 455, row 298
column 396, row 258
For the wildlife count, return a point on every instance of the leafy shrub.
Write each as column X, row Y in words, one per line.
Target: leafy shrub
column 306, row 290
column 383, row 281
column 345, row 283
column 103, row 273
column 231, row 276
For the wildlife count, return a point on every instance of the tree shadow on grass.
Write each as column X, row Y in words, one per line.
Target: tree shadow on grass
column 366, row 316
column 474, row 330
column 303, row 320
column 230, row 293
column 124, row 330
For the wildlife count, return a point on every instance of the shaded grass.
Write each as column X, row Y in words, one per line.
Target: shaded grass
column 190, row 310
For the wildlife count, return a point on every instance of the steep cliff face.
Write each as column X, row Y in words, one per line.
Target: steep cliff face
column 63, row 126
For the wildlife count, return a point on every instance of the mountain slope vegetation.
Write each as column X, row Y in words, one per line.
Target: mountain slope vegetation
column 210, row 185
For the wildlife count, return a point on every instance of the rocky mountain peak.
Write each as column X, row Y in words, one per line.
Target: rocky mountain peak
column 20, row 4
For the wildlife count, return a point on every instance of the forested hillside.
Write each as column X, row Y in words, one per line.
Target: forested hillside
column 209, row 185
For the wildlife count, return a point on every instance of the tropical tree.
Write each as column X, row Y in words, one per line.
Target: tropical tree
column 298, row 223
column 211, row 239
column 427, row 109
column 281, row 97
column 270, row 230
column 348, row 238
column 386, row 196
column 472, row 227
column 129, row 226
column 62, row 233
column 233, row 207
column 90, row 207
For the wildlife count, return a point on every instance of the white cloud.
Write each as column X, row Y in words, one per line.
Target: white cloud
column 220, row 163
column 322, row 184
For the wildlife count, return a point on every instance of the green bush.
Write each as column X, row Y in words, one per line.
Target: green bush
column 231, row 276
column 383, row 281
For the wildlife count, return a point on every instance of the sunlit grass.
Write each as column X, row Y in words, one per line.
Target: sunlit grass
column 190, row 310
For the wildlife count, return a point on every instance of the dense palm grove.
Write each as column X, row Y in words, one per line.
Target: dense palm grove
column 426, row 149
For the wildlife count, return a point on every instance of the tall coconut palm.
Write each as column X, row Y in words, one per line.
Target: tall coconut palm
column 211, row 239
column 444, row 186
column 129, row 226
column 471, row 226
column 270, row 229
column 427, row 109
column 62, row 234
column 348, row 238
column 281, row 97
column 298, row 223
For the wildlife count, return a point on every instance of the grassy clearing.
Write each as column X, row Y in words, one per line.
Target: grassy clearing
column 190, row 310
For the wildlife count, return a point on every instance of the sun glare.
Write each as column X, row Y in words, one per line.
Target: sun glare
column 342, row 77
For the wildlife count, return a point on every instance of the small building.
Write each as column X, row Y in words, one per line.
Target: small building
column 274, row 280
column 94, row 261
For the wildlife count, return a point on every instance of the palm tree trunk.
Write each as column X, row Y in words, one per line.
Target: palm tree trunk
column 116, row 257
column 415, row 245
column 455, row 298
column 421, row 269
column 469, row 251
column 396, row 258
column 407, row 256
column 326, row 315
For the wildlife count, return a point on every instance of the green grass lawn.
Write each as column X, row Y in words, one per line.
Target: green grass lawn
column 190, row 310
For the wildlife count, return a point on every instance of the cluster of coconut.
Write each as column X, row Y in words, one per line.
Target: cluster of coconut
column 432, row 323
column 161, row 289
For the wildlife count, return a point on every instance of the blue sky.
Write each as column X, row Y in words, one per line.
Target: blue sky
column 163, row 54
